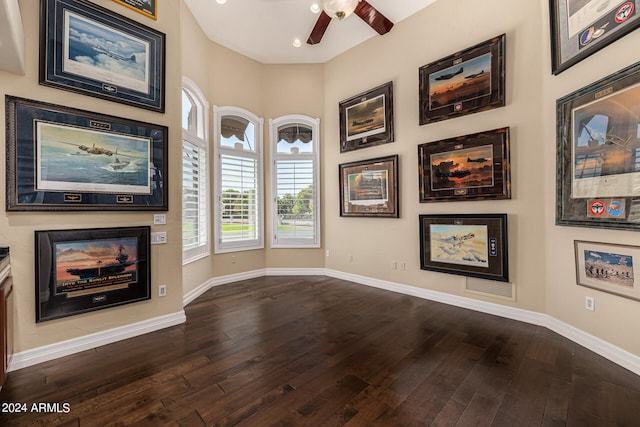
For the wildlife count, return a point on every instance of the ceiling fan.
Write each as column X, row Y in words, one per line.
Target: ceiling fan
column 340, row 9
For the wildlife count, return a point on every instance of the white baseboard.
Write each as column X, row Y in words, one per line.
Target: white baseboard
column 222, row 280
column 296, row 272
column 87, row 342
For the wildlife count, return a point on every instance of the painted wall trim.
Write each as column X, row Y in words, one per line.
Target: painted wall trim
column 87, row 342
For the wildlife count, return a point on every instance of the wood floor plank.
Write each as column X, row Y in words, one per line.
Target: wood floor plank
column 318, row 351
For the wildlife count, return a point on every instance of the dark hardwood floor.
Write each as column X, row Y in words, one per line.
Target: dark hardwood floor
column 317, row 351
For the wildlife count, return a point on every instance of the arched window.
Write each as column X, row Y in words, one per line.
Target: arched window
column 295, row 183
column 239, row 189
column 195, row 173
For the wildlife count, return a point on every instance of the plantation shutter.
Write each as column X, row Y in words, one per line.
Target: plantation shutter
column 194, row 190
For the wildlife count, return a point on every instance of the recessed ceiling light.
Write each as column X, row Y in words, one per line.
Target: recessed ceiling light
column 315, row 8
column 221, row 1
column 297, row 43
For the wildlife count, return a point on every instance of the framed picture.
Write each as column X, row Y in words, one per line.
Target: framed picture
column 370, row 188
column 85, row 270
column 146, row 7
column 367, row 119
column 467, row 167
column 466, row 82
column 598, row 153
column 608, row 268
column 472, row 245
column 580, row 28
column 88, row 49
column 60, row 158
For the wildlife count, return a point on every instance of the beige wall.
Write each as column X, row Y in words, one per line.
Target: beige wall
column 16, row 228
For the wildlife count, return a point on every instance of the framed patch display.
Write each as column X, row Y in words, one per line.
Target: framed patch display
column 369, row 188
column 148, row 8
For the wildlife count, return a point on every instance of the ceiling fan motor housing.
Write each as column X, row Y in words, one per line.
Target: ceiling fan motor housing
column 339, row 9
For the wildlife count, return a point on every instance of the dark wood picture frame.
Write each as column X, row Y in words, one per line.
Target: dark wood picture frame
column 78, row 271
column 148, row 8
column 473, row 245
column 598, row 152
column 61, row 158
column 466, row 82
column 366, row 119
column 608, row 267
column 469, row 167
column 369, row 188
column 87, row 49
column 580, row 29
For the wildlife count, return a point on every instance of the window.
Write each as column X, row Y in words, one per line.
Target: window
column 195, row 176
column 239, row 183
column 295, row 207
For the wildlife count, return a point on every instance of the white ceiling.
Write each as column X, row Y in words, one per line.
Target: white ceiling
column 265, row 29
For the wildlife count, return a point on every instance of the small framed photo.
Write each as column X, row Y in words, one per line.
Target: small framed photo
column 78, row 271
column 466, row 82
column 598, row 153
column 580, row 28
column 370, row 188
column 366, row 119
column 473, row 245
column 146, row 7
column 88, row 49
column 60, row 158
column 467, row 167
column 608, row 268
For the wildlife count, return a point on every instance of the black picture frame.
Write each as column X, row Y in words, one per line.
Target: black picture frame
column 78, row 271
column 366, row 119
column 148, row 8
column 473, row 245
column 61, row 158
column 467, row 82
column 469, row 167
column 579, row 29
column 87, row 49
column 598, row 151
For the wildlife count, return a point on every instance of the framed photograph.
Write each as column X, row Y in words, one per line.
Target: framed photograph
column 466, row 82
column 60, row 158
column 88, row 49
column 370, row 188
column 598, row 153
column 78, row 271
column 467, row 167
column 472, row 245
column 146, row 7
column 608, row 268
column 580, row 28
column 367, row 119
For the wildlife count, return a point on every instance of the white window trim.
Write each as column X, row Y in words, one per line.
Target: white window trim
column 218, row 150
column 202, row 251
column 274, row 125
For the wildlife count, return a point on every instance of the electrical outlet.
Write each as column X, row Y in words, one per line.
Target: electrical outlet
column 233, row 259
column 394, row 265
column 403, row 266
column 328, row 253
column 162, row 290
column 158, row 237
column 590, row 303
column 350, row 258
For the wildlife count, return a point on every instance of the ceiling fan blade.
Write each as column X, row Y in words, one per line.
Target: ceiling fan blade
column 319, row 29
column 373, row 17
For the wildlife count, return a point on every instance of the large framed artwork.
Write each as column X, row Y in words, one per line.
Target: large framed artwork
column 472, row 245
column 60, row 158
column 580, row 28
column 466, row 167
column 78, row 271
column 598, row 153
column 370, row 188
column 366, row 119
column 148, row 8
column 466, row 82
column 88, row 49
column 608, row 267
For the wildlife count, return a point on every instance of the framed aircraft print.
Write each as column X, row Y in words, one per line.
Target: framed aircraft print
column 598, row 153
column 473, row 245
column 370, row 188
column 148, row 8
column 60, row 158
column 88, row 49
column 468, row 167
column 580, row 28
column 466, row 82
column 78, row 271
